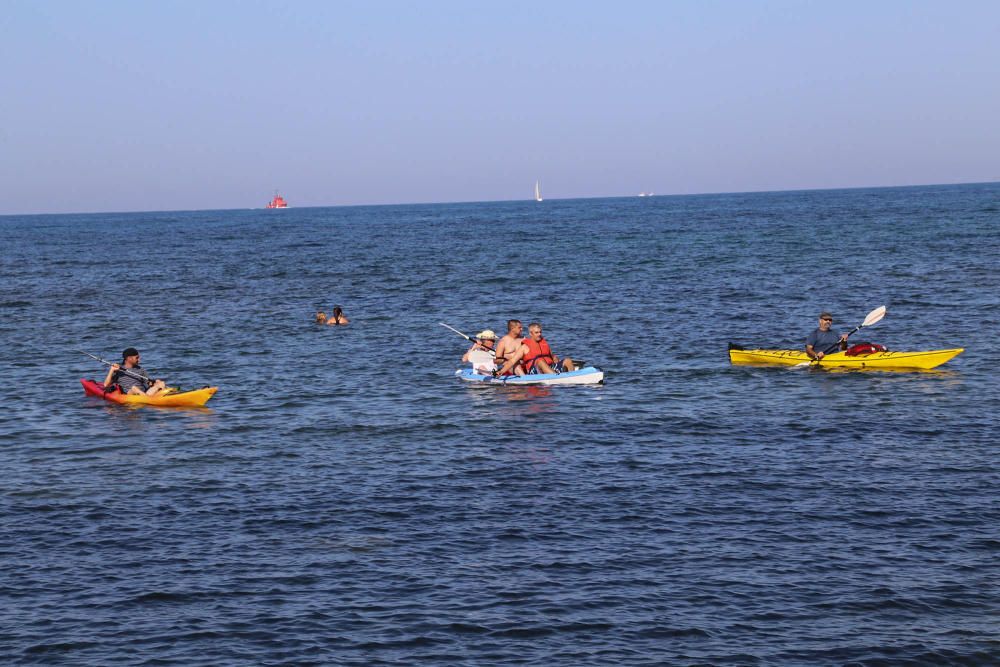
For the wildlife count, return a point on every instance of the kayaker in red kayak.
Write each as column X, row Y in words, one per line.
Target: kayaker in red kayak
column 535, row 356
column 130, row 382
column 822, row 340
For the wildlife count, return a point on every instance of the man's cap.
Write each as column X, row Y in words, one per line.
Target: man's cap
column 129, row 352
column 486, row 334
column 825, row 316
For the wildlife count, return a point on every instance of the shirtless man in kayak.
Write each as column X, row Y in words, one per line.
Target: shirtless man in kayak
column 509, row 346
column 822, row 339
column 535, row 356
column 130, row 382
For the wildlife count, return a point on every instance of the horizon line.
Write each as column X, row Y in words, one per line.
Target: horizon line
column 502, row 201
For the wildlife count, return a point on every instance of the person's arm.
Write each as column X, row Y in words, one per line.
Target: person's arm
column 513, row 359
column 465, row 357
column 811, row 341
column 111, row 373
column 843, row 341
column 146, row 381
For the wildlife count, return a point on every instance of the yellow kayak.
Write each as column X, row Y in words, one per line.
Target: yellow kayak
column 184, row 399
column 885, row 360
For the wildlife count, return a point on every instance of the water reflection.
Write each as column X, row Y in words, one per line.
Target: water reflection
column 136, row 416
column 507, row 401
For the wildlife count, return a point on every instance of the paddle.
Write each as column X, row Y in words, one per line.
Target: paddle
column 872, row 318
column 471, row 340
column 126, row 371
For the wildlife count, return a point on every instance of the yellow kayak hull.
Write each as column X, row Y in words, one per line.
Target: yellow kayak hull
column 885, row 360
column 187, row 399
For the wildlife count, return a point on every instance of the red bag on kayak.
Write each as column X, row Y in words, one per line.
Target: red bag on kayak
column 859, row 349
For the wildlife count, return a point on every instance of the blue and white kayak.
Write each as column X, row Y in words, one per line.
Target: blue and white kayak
column 586, row 375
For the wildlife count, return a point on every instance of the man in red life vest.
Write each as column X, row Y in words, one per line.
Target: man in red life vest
column 535, row 355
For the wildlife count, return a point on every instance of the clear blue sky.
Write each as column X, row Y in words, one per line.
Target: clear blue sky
column 112, row 106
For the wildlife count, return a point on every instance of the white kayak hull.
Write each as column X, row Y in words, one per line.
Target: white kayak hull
column 588, row 375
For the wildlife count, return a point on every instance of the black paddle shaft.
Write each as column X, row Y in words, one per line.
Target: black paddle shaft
column 837, row 344
column 141, row 378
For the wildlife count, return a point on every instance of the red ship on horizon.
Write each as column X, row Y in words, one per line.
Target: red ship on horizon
column 277, row 202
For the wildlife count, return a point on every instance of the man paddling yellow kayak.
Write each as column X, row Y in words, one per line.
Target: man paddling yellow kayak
column 822, row 340
column 860, row 356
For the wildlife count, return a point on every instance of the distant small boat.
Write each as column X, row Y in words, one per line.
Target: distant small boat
column 277, row 202
column 645, row 194
column 538, row 192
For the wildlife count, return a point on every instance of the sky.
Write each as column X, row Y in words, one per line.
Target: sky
column 170, row 105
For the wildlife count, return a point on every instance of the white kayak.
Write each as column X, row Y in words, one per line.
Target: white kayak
column 586, row 375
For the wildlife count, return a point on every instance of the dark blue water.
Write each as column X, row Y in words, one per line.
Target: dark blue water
column 345, row 500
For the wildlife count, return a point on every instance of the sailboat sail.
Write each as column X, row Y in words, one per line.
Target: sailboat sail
column 538, row 192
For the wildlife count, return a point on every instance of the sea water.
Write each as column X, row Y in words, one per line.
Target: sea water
column 344, row 499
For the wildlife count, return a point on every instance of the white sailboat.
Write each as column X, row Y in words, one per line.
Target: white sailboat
column 538, row 192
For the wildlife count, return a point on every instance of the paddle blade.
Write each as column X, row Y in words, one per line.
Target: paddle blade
column 874, row 316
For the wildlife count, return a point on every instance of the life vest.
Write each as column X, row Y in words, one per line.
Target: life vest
column 536, row 350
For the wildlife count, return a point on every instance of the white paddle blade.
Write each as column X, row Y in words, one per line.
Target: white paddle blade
column 874, row 316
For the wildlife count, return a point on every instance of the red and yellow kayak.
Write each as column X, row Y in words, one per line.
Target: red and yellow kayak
column 182, row 399
column 878, row 360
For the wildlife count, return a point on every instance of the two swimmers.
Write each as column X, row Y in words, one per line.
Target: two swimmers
column 336, row 317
